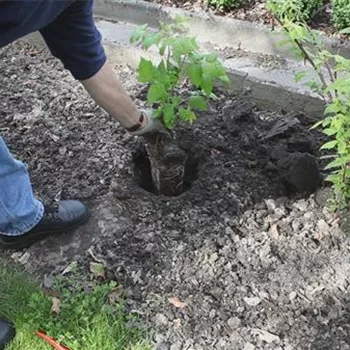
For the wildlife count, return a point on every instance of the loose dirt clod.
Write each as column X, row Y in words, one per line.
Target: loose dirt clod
column 300, row 171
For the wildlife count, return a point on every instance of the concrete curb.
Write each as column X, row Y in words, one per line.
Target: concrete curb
column 208, row 28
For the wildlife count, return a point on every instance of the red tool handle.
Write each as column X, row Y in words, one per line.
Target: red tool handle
column 51, row 341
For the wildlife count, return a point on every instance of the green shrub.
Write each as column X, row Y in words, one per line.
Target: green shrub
column 341, row 14
column 331, row 81
column 295, row 10
column 181, row 63
column 226, row 4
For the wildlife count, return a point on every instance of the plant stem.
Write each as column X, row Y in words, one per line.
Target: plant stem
column 308, row 58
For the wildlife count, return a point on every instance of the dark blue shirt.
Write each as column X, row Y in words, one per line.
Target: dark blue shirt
column 67, row 27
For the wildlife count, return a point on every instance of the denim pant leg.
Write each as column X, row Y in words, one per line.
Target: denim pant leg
column 19, row 210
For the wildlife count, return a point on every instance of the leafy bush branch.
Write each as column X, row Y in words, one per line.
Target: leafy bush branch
column 341, row 14
column 332, row 83
column 181, row 64
column 226, row 4
column 295, row 10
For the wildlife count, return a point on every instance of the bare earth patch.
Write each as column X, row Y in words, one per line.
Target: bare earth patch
column 238, row 261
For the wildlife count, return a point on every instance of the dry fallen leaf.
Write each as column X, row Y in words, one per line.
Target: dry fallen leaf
column 96, row 259
column 56, row 305
column 177, row 323
column 34, row 52
column 115, row 295
column 266, row 336
column 70, row 268
column 177, row 302
column 24, row 258
column 97, row 269
column 274, row 231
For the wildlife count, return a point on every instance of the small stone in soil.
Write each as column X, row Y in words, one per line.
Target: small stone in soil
column 163, row 346
column 254, row 301
column 233, row 322
column 161, row 320
column 249, row 346
column 266, row 336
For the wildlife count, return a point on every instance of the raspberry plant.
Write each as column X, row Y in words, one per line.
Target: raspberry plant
column 332, row 83
column 181, row 64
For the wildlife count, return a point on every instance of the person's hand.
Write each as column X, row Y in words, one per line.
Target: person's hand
column 152, row 127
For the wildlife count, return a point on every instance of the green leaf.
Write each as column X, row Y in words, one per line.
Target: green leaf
column 225, row 79
column 341, row 145
column 316, row 125
column 213, row 70
column 330, row 131
column 151, row 40
column 162, row 74
column 340, row 85
column 333, row 178
column 211, row 57
column 139, row 33
column 169, row 116
column 194, row 72
column 335, row 164
column 338, row 121
column 333, row 108
column 146, row 71
column 345, row 31
column 162, row 48
column 184, row 46
column 198, row 102
column 176, row 100
column 329, row 144
column 156, row 93
column 207, row 85
column 187, row 115
column 300, row 76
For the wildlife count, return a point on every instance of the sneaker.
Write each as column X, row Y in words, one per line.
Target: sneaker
column 7, row 333
column 67, row 216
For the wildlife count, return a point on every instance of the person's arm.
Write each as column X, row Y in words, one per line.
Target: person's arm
column 75, row 40
column 106, row 90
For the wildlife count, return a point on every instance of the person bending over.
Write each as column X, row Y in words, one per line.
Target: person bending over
column 69, row 31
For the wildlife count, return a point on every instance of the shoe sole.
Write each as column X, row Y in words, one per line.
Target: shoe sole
column 45, row 234
column 8, row 336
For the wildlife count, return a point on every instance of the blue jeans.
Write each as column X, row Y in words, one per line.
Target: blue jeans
column 19, row 210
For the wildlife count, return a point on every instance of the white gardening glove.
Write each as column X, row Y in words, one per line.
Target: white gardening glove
column 152, row 127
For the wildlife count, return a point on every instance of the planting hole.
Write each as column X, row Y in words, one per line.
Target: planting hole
column 143, row 176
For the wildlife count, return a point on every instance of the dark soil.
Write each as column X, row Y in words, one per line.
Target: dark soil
column 254, row 11
column 258, row 270
column 74, row 150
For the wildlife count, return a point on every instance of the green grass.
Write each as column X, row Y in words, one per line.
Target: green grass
column 86, row 320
